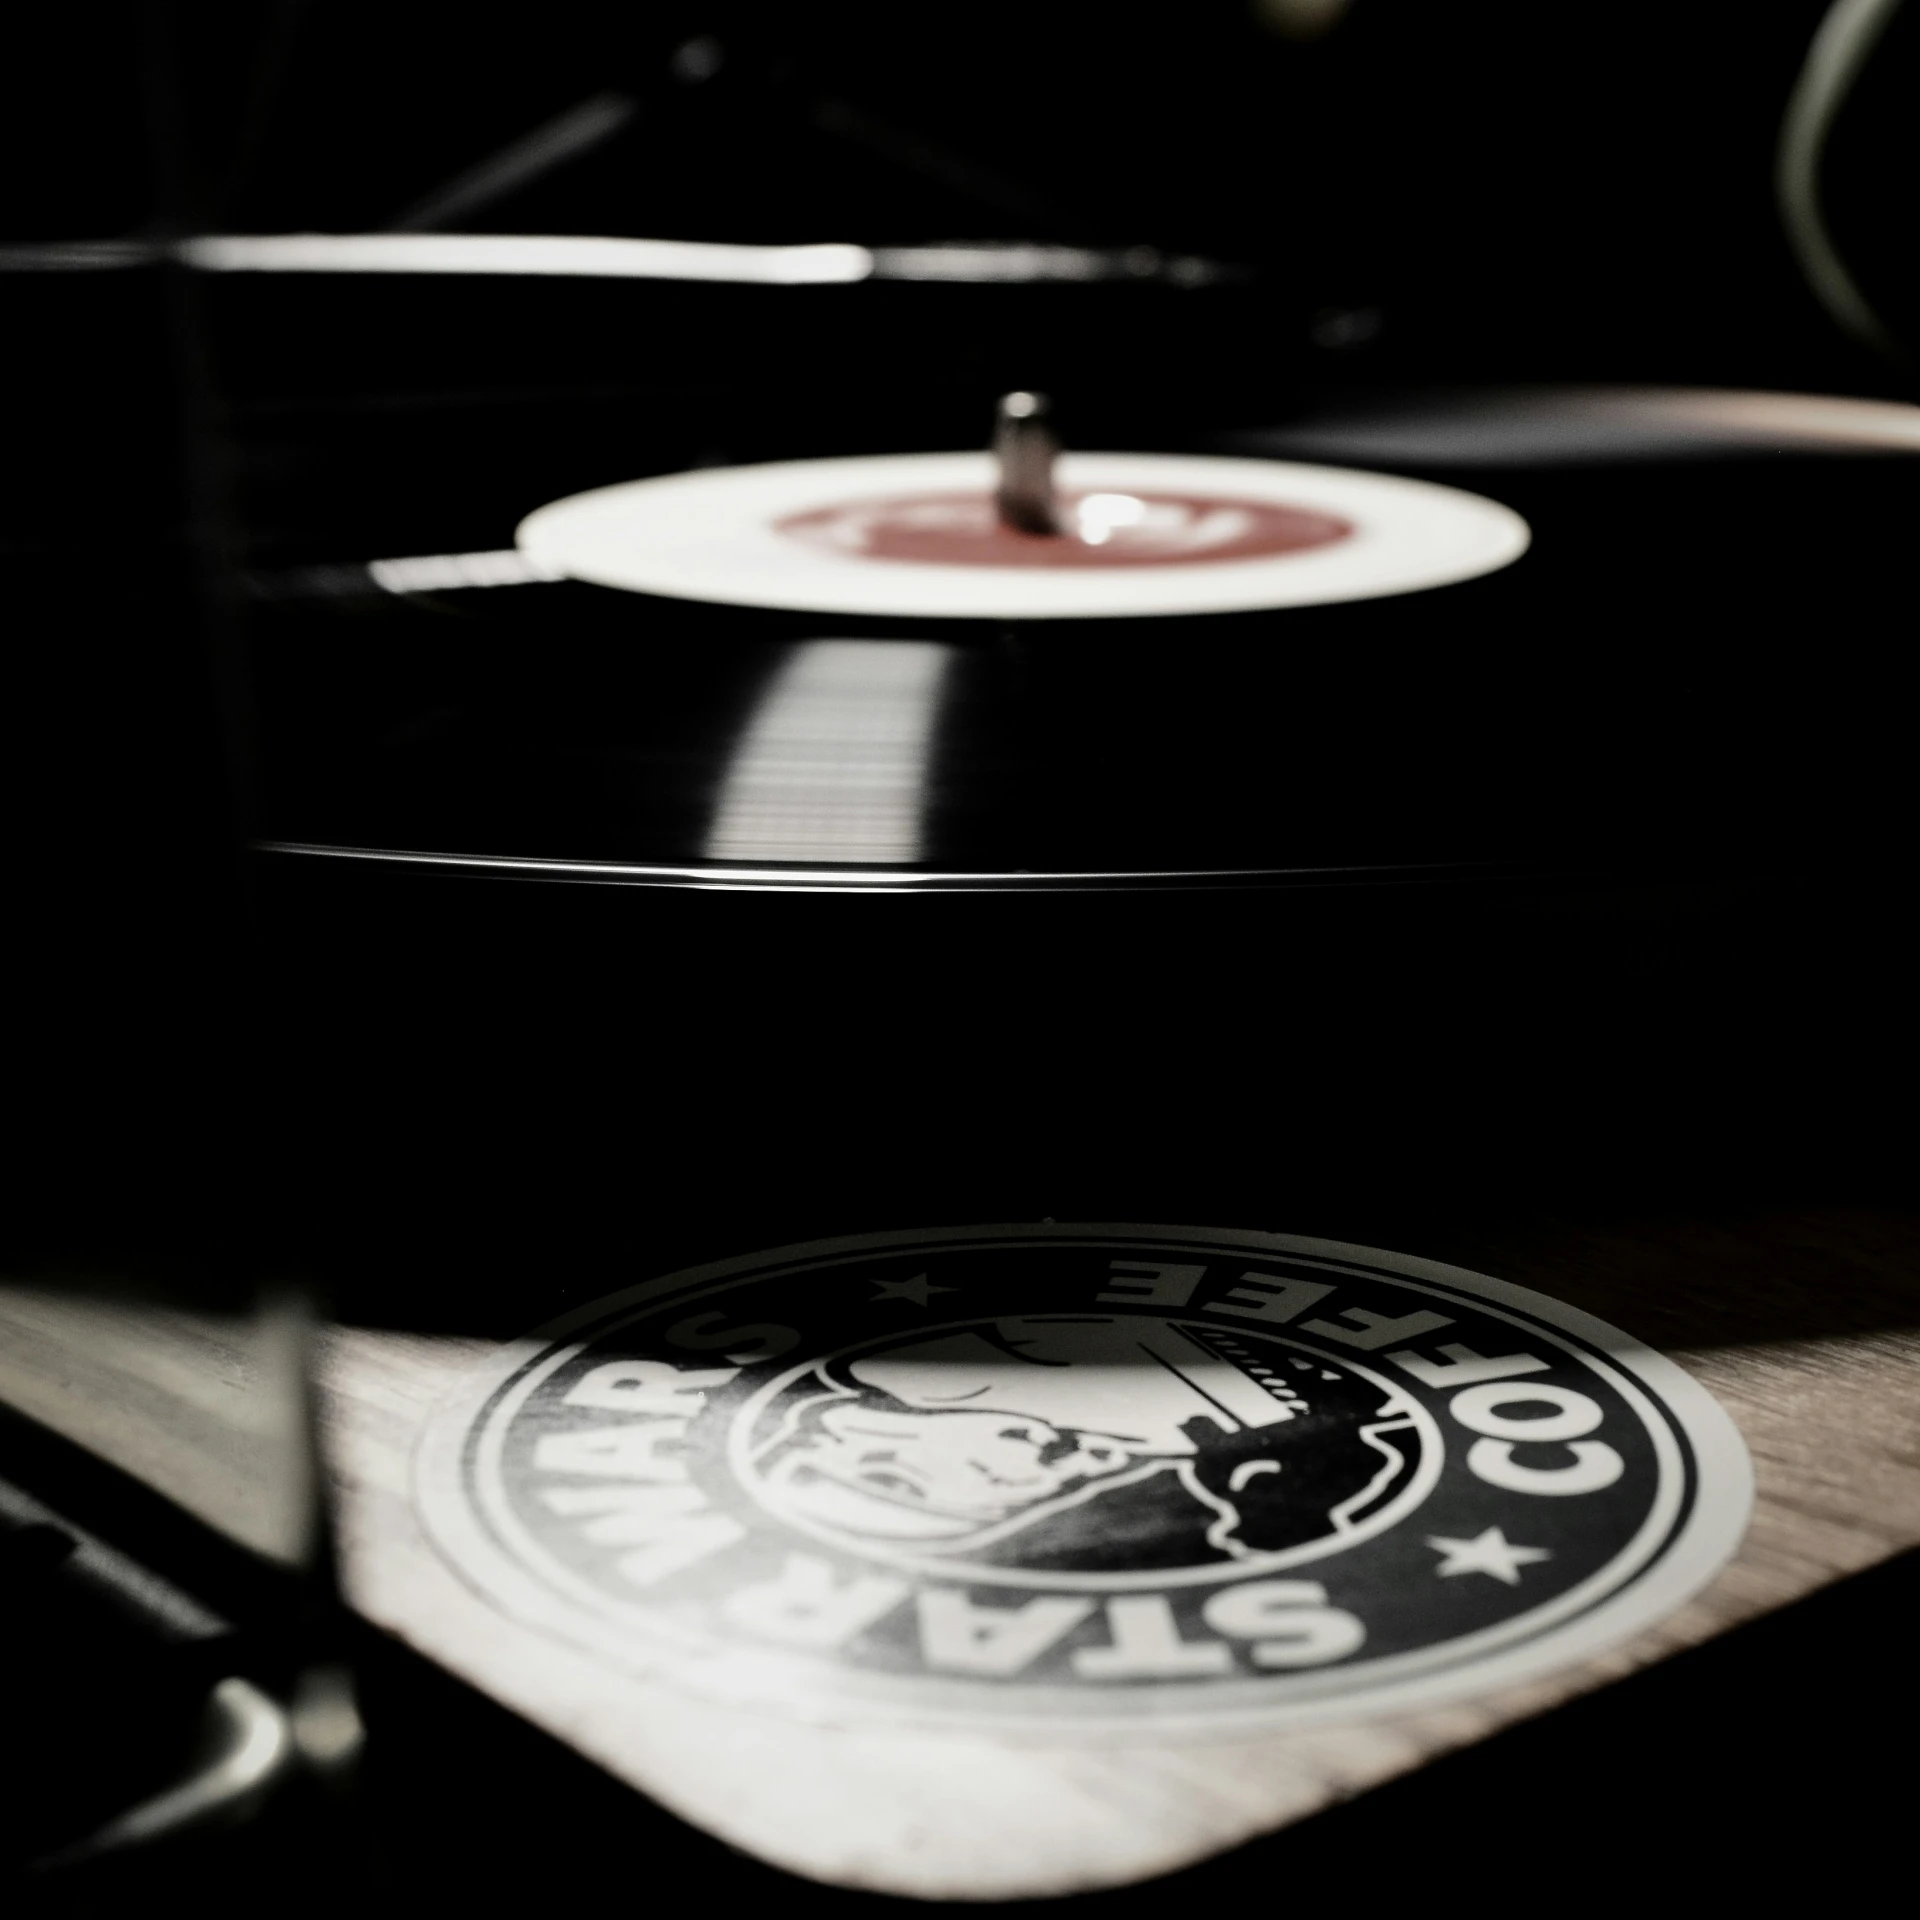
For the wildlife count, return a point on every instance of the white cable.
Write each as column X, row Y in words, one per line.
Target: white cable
column 1841, row 48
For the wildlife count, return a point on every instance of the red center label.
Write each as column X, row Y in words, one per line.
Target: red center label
column 1101, row 530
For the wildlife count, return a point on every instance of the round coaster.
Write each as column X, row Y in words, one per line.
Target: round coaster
column 915, row 535
column 1109, row 1478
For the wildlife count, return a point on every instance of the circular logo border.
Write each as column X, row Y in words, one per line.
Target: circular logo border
column 1695, row 1524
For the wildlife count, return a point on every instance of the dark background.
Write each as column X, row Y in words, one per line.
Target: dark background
column 1577, row 191
column 1424, row 195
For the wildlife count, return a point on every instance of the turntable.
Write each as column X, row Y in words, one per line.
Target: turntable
column 1067, row 1060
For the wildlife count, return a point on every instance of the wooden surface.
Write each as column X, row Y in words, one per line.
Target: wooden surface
column 206, row 1408
column 1805, row 1326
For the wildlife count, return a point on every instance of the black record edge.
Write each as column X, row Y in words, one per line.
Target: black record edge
column 775, row 879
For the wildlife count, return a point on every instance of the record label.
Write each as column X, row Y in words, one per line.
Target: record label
column 916, row 535
column 1106, row 530
column 1083, row 1477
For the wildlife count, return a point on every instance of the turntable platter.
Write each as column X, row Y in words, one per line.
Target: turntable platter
column 848, row 672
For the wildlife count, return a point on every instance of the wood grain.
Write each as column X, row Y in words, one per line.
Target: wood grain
column 206, row 1408
column 1805, row 1325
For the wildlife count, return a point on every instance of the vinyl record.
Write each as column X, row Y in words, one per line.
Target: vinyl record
column 1633, row 642
column 916, row 536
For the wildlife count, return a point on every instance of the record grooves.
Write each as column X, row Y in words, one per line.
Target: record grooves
column 1625, row 698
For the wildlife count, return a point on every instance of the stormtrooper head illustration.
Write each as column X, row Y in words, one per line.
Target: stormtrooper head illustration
column 962, row 1438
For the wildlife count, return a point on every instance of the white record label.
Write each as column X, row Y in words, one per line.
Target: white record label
column 915, row 536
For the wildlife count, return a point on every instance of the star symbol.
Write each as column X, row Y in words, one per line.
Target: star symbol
column 920, row 1290
column 1490, row 1552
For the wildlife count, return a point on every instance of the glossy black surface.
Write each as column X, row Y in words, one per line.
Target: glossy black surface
column 1690, row 669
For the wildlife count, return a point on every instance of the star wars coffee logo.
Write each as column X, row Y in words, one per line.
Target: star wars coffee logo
column 1077, row 1472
